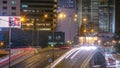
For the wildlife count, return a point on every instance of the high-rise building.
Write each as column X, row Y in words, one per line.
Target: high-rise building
column 99, row 15
column 65, row 19
column 117, row 25
column 38, row 14
column 107, row 16
column 9, row 7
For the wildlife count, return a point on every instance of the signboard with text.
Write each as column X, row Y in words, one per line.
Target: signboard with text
column 7, row 21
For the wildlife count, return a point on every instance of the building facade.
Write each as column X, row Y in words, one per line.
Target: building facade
column 107, row 16
column 99, row 15
column 117, row 28
column 9, row 7
column 38, row 14
column 65, row 19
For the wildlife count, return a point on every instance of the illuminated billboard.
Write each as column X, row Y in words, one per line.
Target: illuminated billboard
column 7, row 21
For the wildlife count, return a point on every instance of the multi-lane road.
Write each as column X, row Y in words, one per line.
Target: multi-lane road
column 36, row 60
column 75, row 58
column 40, row 60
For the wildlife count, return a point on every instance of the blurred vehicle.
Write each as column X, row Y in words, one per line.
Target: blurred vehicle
column 65, row 47
column 111, row 61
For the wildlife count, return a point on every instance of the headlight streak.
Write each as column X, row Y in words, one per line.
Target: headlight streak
column 88, row 48
column 60, row 59
column 85, row 63
column 71, row 52
column 75, row 54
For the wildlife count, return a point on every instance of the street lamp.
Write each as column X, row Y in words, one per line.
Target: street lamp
column 9, row 40
column 85, row 30
column 53, row 31
column 61, row 15
column 9, row 43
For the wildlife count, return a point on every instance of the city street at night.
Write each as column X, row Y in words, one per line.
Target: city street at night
column 59, row 33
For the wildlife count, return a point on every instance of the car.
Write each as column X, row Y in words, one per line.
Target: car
column 111, row 61
column 65, row 47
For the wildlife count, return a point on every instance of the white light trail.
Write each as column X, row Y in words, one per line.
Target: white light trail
column 75, row 54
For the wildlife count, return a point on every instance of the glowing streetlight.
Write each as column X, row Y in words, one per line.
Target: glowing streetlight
column 22, row 19
column 84, row 19
column 76, row 15
column 61, row 15
column 84, row 31
column 92, row 30
column 75, row 19
column 46, row 16
column 1, row 44
column 118, row 41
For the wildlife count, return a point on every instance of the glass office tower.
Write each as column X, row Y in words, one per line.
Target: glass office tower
column 99, row 15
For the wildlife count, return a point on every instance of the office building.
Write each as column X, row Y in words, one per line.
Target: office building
column 38, row 14
column 117, row 18
column 9, row 7
column 65, row 20
column 99, row 15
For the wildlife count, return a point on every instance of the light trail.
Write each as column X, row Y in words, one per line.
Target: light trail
column 70, row 53
column 75, row 54
column 59, row 59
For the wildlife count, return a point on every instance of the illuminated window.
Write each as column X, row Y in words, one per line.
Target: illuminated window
column 49, row 37
column 55, row 0
column 24, row 6
column 25, row 10
column 13, row 2
column 58, row 37
column 37, row 10
column 37, row 19
column 33, row 10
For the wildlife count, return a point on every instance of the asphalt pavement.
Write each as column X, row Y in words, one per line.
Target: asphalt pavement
column 76, row 58
column 40, row 59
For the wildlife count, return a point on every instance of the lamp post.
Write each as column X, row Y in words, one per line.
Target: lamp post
column 60, row 17
column 53, row 42
column 32, row 33
column 9, row 41
column 85, row 30
column 70, row 22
